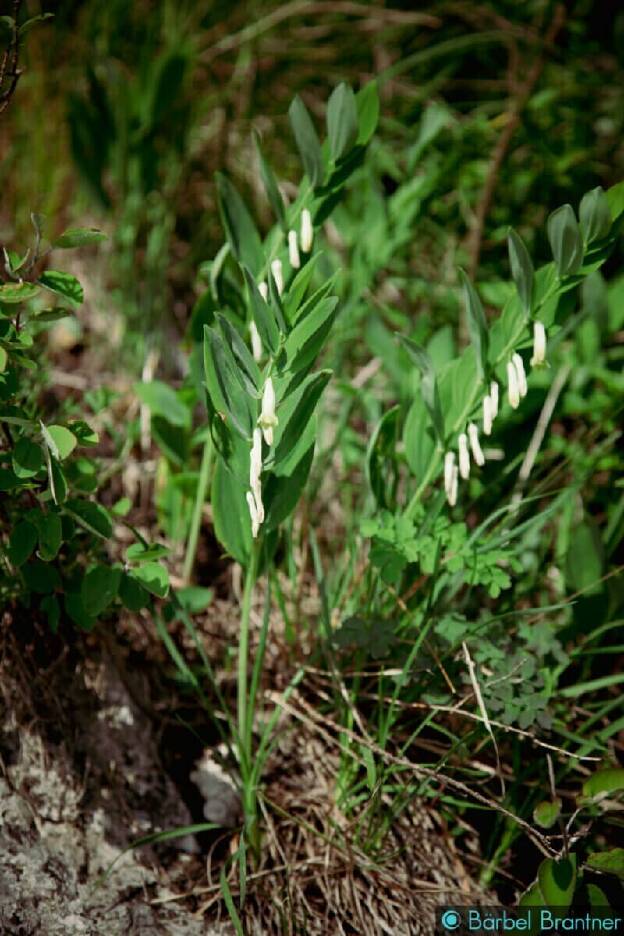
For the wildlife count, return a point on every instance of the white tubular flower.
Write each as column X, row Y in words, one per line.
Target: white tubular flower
column 539, row 345
column 255, row 462
column 512, row 385
column 451, row 495
column 276, row 270
column 494, row 399
column 487, row 415
column 477, row 452
column 263, row 289
column 464, row 456
column 522, row 381
column 293, row 250
column 255, row 470
column 307, row 232
column 253, row 513
column 256, row 343
column 268, row 420
column 449, row 468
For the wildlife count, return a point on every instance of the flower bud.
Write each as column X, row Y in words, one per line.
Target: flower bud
column 268, row 420
column 293, row 250
column 255, row 461
column 263, row 289
column 256, row 343
column 539, row 345
column 452, row 492
column 276, row 270
column 512, row 385
column 477, row 453
column 307, row 232
column 487, row 415
column 449, row 468
column 522, row 381
column 464, row 456
column 253, row 513
column 494, row 399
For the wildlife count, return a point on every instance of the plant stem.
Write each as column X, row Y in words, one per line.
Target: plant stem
column 244, row 729
column 200, row 499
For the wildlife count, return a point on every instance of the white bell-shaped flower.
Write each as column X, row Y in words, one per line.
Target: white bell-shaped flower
column 256, row 342
column 522, row 381
column 449, row 468
column 278, row 276
column 475, row 446
column 513, row 389
column 451, row 495
column 293, row 250
column 539, row 345
column 487, row 415
column 253, row 513
column 263, row 289
column 494, row 399
column 464, row 456
column 307, row 232
column 268, row 420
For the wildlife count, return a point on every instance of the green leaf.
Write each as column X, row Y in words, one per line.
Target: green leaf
column 27, row 458
column 309, row 335
column 75, row 609
column 93, row 517
column 78, row 237
column 608, row 780
column 121, row 508
column 17, row 292
column 285, row 484
column 225, row 386
column 239, row 227
column 64, row 284
column 584, row 560
column 84, row 433
column 521, row 269
column 58, row 483
column 342, row 120
column 477, row 324
column 428, row 385
column 307, row 141
column 610, row 862
column 41, row 577
column 594, row 215
column 565, row 239
column 99, row 588
column 138, row 552
column 59, row 440
column 367, row 101
column 22, row 542
column 194, row 598
column 4, row 358
column 163, row 401
column 557, row 880
column 52, row 610
column 50, row 532
column 154, row 577
column 232, row 523
column 295, row 430
column 248, row 370
column 132, row 594
column 262, row 315
column 380, row 454
column 270, row 186
column 546, row 813
column 418, row 438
